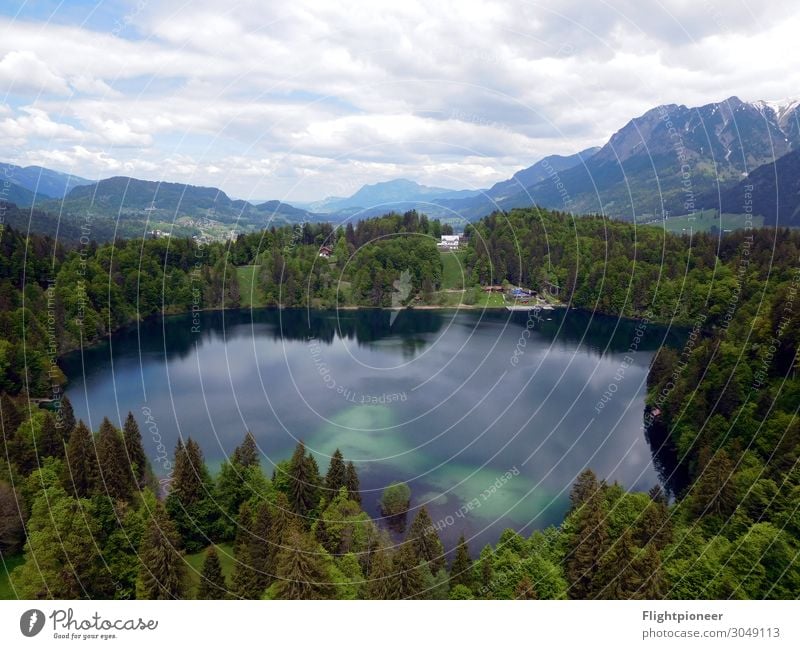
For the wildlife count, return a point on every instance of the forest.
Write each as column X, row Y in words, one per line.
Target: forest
column 84, row 516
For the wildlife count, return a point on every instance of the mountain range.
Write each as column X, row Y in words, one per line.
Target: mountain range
column 671, row 160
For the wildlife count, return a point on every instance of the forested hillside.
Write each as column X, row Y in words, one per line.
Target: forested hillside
column 87, row 512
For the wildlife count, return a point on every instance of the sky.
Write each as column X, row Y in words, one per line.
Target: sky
column 305, row 99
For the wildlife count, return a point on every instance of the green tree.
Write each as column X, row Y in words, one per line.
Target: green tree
column 116, row 479
column 336, row 476
column 61, row 557
column 80, row 464
column 162, row 573
column 461, row 570
column 587, row 545
column 396, row 499
column 353, row 483
column 380, row 575
column 407, row 578
column 137, row 459
column 424, row 540
column 212, row 581
column 190, row 503
column 65, row 417
column 302, row 570
column 304, row 483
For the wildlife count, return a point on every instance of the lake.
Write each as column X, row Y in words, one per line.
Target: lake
column 488, row 416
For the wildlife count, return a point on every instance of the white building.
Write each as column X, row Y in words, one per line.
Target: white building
column 449, row 242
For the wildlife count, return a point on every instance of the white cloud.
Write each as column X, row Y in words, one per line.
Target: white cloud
column 23, row 72
column 286, row 99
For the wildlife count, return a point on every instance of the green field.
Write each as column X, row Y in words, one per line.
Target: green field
column 453, row 269
column 195, row 561
column 7, row 564
column 706, row 220
column 251, row 295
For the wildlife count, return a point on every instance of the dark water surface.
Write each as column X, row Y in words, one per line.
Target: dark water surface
column 438, row 399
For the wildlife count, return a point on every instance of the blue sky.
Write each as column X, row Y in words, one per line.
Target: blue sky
column 302, row 100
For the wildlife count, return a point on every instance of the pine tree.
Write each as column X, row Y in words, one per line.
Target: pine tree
column 243, row 578
column 50, row 442
column 588, row 544
column 65, row 417
column 655, row 525
column 115, row 475
column 304, row 482
column 80, row 464
column 10, row 418
column 189, row 502
column 486, row 571
column 212, row 581
column 407, row 579
column 353, row 483
column 651, row 574
column 302, row 573
column 714, row 492
column 246, row 454
column 255, row 554
column 424, row 540
column 189, row 477
column 162, row 573
column 137, row 460
column 336, row 476
column 619, row 576
column 461, row 570
column 379, row 580
column 583, row 489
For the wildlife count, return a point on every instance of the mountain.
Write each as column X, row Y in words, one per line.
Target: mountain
column 40, row 181
column 131, row 197
column 399, row 195
column 538, row 172
column 772, row 190
column 132, row 208
column 17, row 194
column 489, row 200
column 662, row 160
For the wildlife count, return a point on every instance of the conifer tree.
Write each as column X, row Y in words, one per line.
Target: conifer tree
column 304, row 482
column 212, row 581
column 353, row 483
column 50, row 442
column 619, row 576
column 65, row 419
column 336, row 476
column 461, row 570
column 189, row 477
column 115, row 475
column 424, row 540
column 583, row 489
column 302, row 573
column 80, row 464
column 246, row 454
column 189, row 502
column 655, row 525
column 407, row 578
column 714, row 492
column 137, row 460
column 379, row 580
column 162, row 573
column 485, row 570
column 10, row 417
column 244, row 582
column 651, row 573
column 588, row 544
